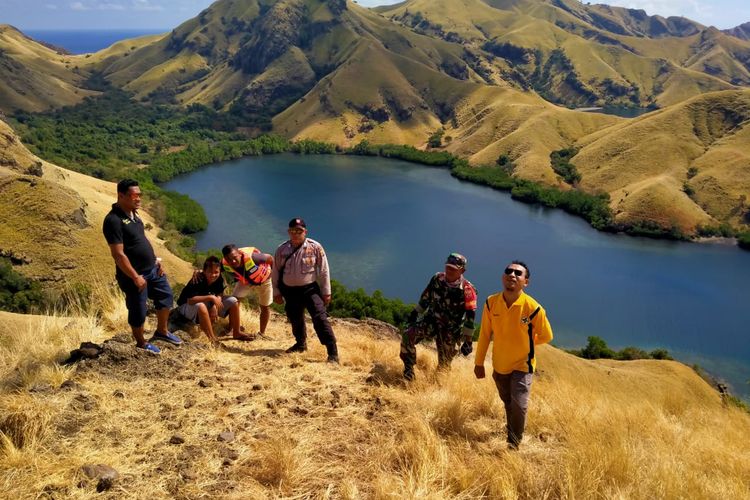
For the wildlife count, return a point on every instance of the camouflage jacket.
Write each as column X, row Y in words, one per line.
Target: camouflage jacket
column 451, row 308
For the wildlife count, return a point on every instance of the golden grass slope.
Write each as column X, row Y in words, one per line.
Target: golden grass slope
column 644, row 163
column 34, row 77
column 52, row 222
column 666, row 69
column 307, row 429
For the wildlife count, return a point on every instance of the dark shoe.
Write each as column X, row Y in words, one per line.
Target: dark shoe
column 409, row 375
column 333, row 358
column 297, row 348
column 333, row 353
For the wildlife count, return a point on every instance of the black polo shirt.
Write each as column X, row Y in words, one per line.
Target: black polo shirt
column 201, row 288
column 119, row 228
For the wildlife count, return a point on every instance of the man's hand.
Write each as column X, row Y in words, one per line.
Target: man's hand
column 159, row 267
column 278, row 299
column 196, row 277
column 466, row 348
column 140, row 282
column 479, row 371
column 412, row 317
column 327, row 299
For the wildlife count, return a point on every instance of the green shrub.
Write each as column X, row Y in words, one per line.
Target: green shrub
column 18, row 293
column 358, row 304
column 596, row 349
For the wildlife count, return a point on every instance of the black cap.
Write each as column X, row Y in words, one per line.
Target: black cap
column 297, row 222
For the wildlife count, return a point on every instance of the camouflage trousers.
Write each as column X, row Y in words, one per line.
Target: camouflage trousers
column 445, row 340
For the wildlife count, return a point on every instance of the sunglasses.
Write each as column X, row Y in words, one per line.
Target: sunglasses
column 296, row 231
column 517, row 272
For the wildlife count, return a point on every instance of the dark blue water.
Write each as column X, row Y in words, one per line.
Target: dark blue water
column 389, row 225
column 85, row 41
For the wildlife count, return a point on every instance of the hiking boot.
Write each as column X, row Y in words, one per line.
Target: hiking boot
column 297, row 347
column 333, row 353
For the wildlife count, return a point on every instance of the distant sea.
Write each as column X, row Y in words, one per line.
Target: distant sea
column 85, row 41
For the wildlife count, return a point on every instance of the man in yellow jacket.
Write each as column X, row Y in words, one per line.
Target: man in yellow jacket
column 516, row 323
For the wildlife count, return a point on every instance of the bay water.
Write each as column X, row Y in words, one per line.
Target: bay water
column 389, row 225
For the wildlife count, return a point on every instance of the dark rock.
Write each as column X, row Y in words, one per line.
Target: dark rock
column 229, row 454
column 87, row 350
column 189, row 402
column 241, row 398
column 257, row 387
column 226, row 436
column 205, row 383
column 177, row 439
column 298, row 410
column 104, row 473
column 69, row 385
column 41, row 388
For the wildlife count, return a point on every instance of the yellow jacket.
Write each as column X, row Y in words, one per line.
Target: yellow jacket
column 514, row 330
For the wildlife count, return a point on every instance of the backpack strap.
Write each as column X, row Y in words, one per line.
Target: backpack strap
column 531, row 339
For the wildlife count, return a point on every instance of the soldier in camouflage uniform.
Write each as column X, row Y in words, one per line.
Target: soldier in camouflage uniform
column 447, row 307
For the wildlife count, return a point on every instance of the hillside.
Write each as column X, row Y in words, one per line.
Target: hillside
column 689, row 163
column 34, row 77
column 484, row 72
column 247, row 421
column 742, row 31
column 52, row 220
column 585, row 55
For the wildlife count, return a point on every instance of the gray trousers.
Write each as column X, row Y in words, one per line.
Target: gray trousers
column 514, row 389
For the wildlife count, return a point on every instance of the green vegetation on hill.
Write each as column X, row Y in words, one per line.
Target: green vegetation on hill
column 358, row 304
column 597, row 348
column 562, row 166
column 18, row 293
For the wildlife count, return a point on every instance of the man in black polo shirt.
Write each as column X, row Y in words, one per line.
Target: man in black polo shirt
column 138, row 273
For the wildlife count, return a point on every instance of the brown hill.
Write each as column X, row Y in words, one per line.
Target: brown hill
column 247, row 421
column 52, row 220
column 742, row 31
column 34, row 77
column 685, row 165
column 582, row 55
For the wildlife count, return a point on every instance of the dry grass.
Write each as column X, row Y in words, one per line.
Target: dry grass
column 307, row 429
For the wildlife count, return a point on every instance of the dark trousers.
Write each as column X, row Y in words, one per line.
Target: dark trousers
column 299, row 298
column 514, row 389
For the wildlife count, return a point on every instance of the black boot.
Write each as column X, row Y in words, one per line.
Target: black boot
column 333, row 353
column 297, row 347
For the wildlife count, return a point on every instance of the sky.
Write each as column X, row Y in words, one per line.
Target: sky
column 167, row 14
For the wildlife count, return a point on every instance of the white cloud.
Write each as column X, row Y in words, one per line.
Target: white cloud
column 110, row 6
column 692, row 9
column 78, row 6
column 145, row 5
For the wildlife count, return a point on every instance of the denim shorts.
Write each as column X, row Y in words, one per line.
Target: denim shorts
column 190, row 311
column 157, row 289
